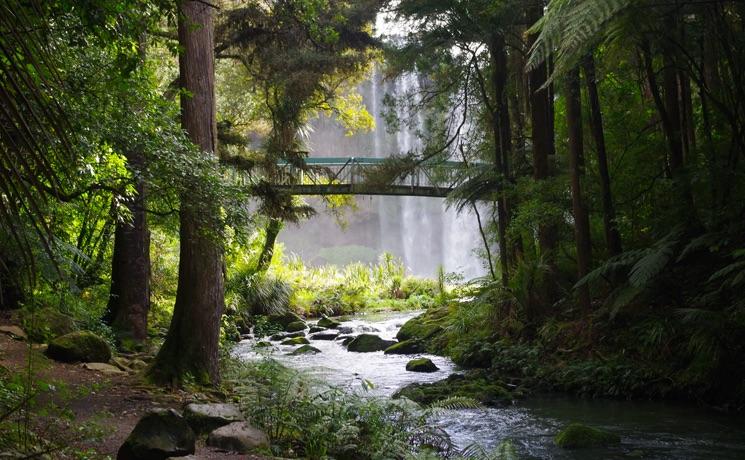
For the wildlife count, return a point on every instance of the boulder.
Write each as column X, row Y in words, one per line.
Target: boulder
column 345, row 329
column 421, row 327
column 79, row 346
column 578, row 436
column 122, row 363
column 421, row 365
column 328, row 323
column 407, row 347
column 238, row 437
column 478, row 386
column 296, row 341
column 346, row 339
column 263, row 344
column 295, row 326
column 47, row 323
column 283, row 319
column 159, row 434
column 138, row 364
column 325, row 336
column 104, row 368
column 365, row 343
column 364, row 328
column 314, row 329
column 14, row 331
column 204, row 418
column 305, row 349
column 287, row 335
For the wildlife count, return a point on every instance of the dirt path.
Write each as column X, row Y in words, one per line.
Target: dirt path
column 114, row 401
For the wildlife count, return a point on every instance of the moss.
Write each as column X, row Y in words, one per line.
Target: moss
column 577, row 436
column 328, row 323
column 79, row 346
column 305, row 349
column 47, row 323
column 365, row 343
column 296, row 341
column 421, row 365
column 295, row 326
column 476, row 386
column 406, row 347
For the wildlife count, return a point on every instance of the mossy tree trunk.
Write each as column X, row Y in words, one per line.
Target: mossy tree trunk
column 267, row 252
column 191, row 346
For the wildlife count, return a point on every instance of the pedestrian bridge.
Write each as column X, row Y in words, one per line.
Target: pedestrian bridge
column 357, row 176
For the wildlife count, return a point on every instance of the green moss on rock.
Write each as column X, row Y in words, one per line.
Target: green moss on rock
column 328, row 323
column 79, row 346
column 296, row 341
column 295, row 326
column 407, row 347
column 427, row 329
column 578, row 436
column 365, row 343
column 305, row 349
column 47, row 323
column 421, row 365
column 475, row 386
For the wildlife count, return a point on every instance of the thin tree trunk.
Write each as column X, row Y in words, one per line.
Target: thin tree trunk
column 191, row 346
column 485, row 240
column 267, row 252
column 129, row 296
column 612, row 236
column 581, row 220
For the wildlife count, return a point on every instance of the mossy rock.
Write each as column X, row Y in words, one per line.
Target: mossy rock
column 204, row 418
column 407, row 347
column 47, row 323
column 424, row 326
column 160, row 434
column 296, row 341
column 421, row 365
column 79, row 346
column 314, row 329
column 579, row 436
column 346, row 339
column 328, row 323
column 263, row 344
column 296, row 326
column 366, row 343
column 305, row 349
column 287, row 335
column 479, row 387
column 283, row 319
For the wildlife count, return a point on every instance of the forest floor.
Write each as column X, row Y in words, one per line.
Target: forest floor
column 114, row 402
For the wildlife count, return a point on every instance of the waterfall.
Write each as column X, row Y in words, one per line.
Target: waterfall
column 422, row 231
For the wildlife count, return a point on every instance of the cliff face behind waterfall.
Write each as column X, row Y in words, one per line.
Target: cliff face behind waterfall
column 419, row 230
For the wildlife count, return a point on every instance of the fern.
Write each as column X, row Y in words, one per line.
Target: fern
column 456, row 402
column 504, row 451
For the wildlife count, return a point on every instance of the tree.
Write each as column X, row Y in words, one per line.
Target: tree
column 191, row 346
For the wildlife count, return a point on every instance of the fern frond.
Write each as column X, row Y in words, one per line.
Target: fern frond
column 456, row 402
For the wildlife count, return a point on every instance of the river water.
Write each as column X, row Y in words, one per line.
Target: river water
column 649, row 430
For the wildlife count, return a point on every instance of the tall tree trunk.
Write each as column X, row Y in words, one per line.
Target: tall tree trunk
column 612, row 236
column 191, row 346
column 129, row 296
column 267, row 252
column 502, row 132
column 581, row 219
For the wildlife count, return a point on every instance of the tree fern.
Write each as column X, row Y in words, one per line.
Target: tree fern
column 456, row 402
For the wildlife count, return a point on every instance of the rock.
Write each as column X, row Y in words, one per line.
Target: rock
column 296, row 326
column 79, row 346
column 345, row 329
column 578, row 436
column 159, row 434
column 204, row 418
column 296, row 341
column 47, row 323
column 284, row 319
column 238, row 437
column 305, row 349
column 103, row 368
column 365, row 343
column 345, row 340
column 422, row 327
column 364, row 328
column 122, row 363
column 407, row 347
column 478, row 386
column 421, row 365
column 14, row 331
column 325, row 336
column 328, row 323
column 287, row 335
column 263, row 344
column 138, row 364
column 314, row 329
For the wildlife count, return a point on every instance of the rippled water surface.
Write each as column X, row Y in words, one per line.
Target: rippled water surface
column 650, row 430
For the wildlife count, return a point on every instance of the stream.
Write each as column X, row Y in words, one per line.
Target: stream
column 649, row 430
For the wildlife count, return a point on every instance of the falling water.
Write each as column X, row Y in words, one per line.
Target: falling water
column 422, row 231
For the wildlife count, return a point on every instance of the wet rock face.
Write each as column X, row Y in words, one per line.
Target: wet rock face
column 160, row 434
column 421, row 365
column 365, row 343
column 325, row 336
column 238, row 437
column 79, row 346
column 578, row 436
column 204, row 418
